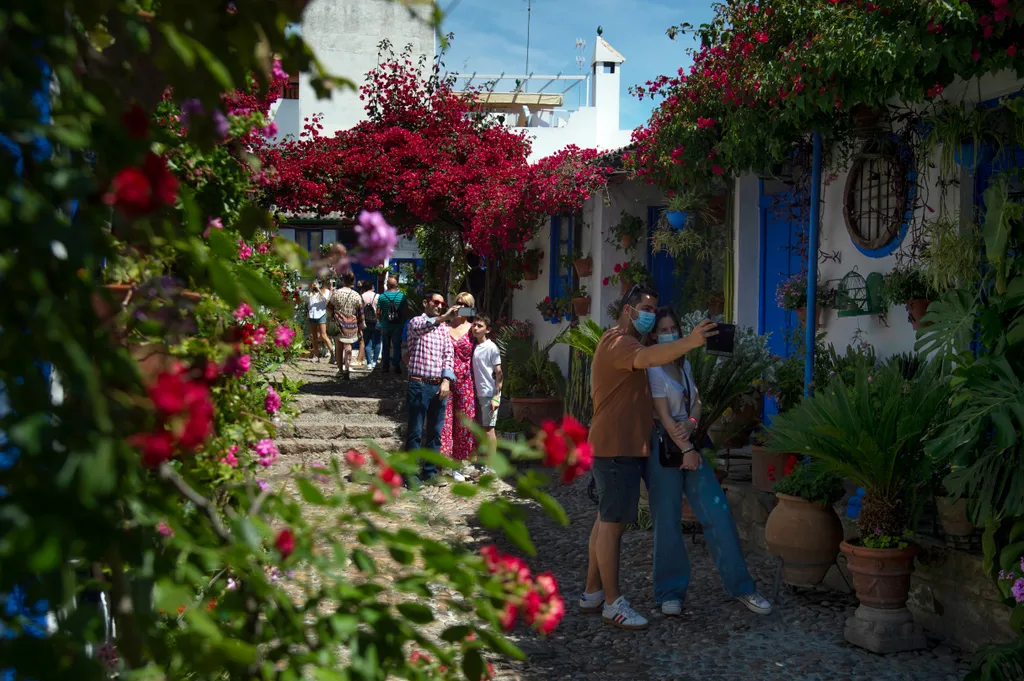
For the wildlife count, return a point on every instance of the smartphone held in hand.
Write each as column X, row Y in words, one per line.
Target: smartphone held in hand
column 724, row 341
column 467, row 311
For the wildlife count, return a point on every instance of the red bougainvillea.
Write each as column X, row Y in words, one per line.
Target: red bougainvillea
column 428, row 155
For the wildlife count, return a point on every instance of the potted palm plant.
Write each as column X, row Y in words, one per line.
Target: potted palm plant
column 871, row 431
column 536, row 386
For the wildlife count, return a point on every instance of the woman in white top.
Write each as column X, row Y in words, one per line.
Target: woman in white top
column 318, row 319
column 675, row 467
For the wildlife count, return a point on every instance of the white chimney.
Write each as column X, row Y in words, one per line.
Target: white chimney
column 606, row 68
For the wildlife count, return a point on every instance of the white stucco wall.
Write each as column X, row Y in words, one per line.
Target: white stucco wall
column 898, row 336
column 344, row 35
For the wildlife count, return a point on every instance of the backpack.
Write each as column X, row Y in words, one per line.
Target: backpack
column 394, row 313
column 370, row 313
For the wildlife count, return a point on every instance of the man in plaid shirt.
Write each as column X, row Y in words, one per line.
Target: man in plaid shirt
column 431, row 373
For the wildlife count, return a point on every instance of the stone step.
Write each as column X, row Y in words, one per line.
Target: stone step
column 316, row 404
column 297, row 450
column 330, row 426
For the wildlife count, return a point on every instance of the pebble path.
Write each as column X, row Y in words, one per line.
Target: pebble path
column 716, row 639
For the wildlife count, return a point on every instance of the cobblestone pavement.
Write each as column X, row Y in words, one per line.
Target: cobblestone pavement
column 715, row 639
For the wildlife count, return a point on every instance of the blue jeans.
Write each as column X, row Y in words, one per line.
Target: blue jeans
column 426, row 419
column 372, row 340
column 665, row 488
column 391, row 340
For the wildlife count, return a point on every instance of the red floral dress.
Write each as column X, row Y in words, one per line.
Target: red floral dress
column 457, row 442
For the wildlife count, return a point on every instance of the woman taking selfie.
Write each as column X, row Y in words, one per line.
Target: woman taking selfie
column 318, row 320
column 675, row 467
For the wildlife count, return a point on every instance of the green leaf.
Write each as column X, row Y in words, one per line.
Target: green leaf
column 491, row 514
column 464, row 489
column 1017, row 531
column 74, row 138
column 988, row 546
column 473, row 665
column 259, row 289
column 180, row 44
column 1010, row 556
column 222, row 244
column 416, row 612
column 224, row 283
column 455, row 634
column 364, row 562
column 310, row 493
column 552, row 507
column 403, row 556
column 215, row 66
column 238, row 651
column 520, row 535
column 501, row 645
column 1017, row 620
column 47, row 556
column 202, row 624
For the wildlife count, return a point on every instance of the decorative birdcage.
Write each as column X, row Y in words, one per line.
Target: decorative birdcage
column 856, row 297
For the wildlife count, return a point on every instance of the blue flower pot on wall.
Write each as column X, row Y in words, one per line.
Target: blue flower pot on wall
column 677, row 218
column 969, row 158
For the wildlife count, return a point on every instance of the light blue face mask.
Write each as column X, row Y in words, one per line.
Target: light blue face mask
column 644, row 321
column 667, row 337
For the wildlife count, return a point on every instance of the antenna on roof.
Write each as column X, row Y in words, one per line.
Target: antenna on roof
column 581, row 61
column 529, row 17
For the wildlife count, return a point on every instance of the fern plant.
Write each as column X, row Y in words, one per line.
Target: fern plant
column 536, row 375
column 870, row 431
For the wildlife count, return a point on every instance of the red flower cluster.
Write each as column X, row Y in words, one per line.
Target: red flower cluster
column 424, row 157
column 285, row 543
column 791, row 463
column 140, row 191
column 566, row 447
column 536, row 599
column 184, row 418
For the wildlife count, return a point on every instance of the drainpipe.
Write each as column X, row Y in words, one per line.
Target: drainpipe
column 812, row 266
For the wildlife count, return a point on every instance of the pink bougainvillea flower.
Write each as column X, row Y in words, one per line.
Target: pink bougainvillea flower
column 278, row 71
column 164, row 529
column 267, row 452
column 244, row 250
column 377, row 239
column 355, row 458
column 230, row 458
column 272, row 402
column 242, row 311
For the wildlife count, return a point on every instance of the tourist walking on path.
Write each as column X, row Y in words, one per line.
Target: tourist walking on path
column 620, row 433
column 371, row 334
column 391, row 318
column 487, row 378
column 676, row 466
column 457, row 441
column 431, row 374
column 347, row 308
column 318, row 320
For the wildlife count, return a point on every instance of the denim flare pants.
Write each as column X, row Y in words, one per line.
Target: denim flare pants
column 665, row 489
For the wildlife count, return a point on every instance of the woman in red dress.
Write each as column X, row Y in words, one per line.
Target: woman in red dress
column 457, row 442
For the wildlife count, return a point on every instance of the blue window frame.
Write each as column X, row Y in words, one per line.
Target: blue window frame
column 310, row 239
column 560, row 273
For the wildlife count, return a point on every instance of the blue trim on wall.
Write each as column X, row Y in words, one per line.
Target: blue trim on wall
column 559, row 284
column 908, row 214
column 762, row 213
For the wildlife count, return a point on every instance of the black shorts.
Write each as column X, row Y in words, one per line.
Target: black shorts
column 618, row 487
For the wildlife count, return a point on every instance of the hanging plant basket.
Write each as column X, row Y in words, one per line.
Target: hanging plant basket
column 916, row 310
column 677, row 218
column 581, row 306
column 584, row 266
column 969, row 156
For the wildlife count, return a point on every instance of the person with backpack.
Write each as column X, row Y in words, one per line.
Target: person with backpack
column 371, row 333
column 391, row 307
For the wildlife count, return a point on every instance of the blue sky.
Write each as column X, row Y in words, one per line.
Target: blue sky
column 490, row 38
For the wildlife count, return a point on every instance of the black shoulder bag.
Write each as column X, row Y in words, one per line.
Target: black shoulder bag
column 669, row 453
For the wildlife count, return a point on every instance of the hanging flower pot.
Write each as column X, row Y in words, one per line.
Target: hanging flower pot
column 625, row 285
column 916, row 310
column 806, row 536
column 627, row 241
column 584, row 266
column 801, row 314
column 581, row 306
column 677, row 218
column 969, row 156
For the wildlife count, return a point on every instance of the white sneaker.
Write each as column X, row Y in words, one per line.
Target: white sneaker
column 458, row 476
column 672, row 608
column 621, row 614
column 592, row 603
column 756, row 603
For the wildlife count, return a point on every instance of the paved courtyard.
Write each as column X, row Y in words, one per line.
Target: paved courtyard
column 716, row 638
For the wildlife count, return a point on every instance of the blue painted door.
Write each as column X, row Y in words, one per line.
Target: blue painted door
column 781, row 234
column 662, row 266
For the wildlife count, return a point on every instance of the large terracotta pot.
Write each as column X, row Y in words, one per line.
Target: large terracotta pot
column 581, row 306
column 584, row 266
column 881, row 577
column 916, row 309
column 760, row 460
column 953, row 517
column 536, row 410
column 806, row 536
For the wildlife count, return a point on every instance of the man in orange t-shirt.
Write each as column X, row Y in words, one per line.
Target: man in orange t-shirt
column 619, row 434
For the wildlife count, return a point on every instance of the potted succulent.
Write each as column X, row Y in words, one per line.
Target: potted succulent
column 535, row 385
column 627, row 232
column 906, row 285
column 804, row 529
column 871, row 431
column 580, row 301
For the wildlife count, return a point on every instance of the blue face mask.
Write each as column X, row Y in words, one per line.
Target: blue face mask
column 667, row 337
column 644, row 321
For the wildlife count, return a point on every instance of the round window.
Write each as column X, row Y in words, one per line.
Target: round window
column 876, row 195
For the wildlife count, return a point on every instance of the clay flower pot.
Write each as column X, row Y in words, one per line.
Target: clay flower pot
column 584, row 266
column 916, row 309
column 806, row 536
column 624, row 286
column 627, row 241
column 881, row 577
column 581, row 306
column 953, row 517
column 819, row 319
column 760, row 460
column 537, row 410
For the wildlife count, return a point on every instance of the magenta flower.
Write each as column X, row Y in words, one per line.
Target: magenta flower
column 164, row 529
column 230, row 458
column 270, row 131
column 211, row 224
column 1018, row 590
column 279, row 71
column 242, row 311
column 377, row 239
column 283, row 336
column 263, row 248
column 272, row 402
column 238, row 365
column 244, row 250
column 267, row 451
column 263, row 485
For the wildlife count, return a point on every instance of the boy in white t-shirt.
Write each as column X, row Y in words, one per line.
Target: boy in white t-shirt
column 487, row 377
